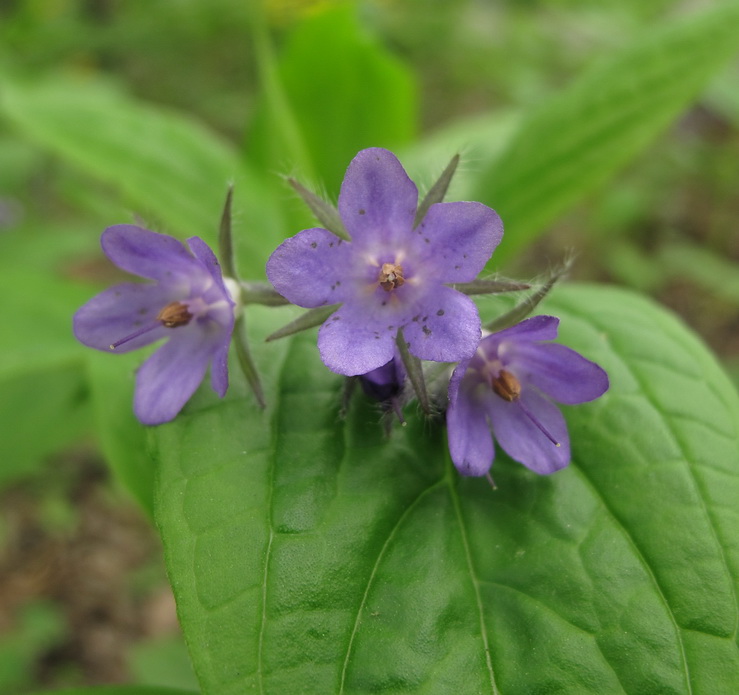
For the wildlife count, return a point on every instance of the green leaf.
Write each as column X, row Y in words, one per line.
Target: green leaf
column 315, row 556
column 172, row 169
column 119, row 690
column 583, row 135
column 346, row 92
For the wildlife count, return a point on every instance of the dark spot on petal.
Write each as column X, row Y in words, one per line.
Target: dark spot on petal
column 416, row 317
column 333, row 287
column 313, row 245
column 426, row 330
column 330, row 243
column 464, row 255
column 384, row 302
column 338, row 282
column 427, row 240
column 362, row 211
column 116, row 293
column 440, row 312
column 143, row 310
column 336, row 318
column 137, row 323
column 390, row 328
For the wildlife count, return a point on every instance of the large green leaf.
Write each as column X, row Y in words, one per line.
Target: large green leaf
column 583, row 135
column 119, row 690
column 172, row 169
column 313, row 555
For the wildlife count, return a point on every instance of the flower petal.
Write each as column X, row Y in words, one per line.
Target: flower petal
column 219, row 368
column 378, row 201
column 120, row 311
column 350, row 345
column 470, row 440
column 205, row 255
column 456, row 240
column 165, row 382
column 307, row 269
column 558, row 371
column 383, row 383
column 521, row 439
column 445, row 326
column 534, row 328
column 150, row 255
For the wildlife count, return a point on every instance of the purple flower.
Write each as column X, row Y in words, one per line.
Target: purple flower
column 189, row 304
column 391, row 275
column 509, row 386
column 386, row 382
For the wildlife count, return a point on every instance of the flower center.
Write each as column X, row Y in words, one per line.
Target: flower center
column 174, row 314
column 506, row 386
column 391, row 276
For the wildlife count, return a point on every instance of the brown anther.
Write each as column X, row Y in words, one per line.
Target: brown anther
column 507, row 386
column 174, row 314
column 391, row 276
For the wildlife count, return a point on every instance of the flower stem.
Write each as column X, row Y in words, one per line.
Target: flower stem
column 437, row 192
column 309, row 319
column 260, row 293
column 246, row 361
column 415, row 372
column 225, row 238
column 323, row 211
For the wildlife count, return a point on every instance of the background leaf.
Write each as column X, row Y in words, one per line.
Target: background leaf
column 348, row 95
column 311, row 555
column 172, row 169
column 44, row 404
column 578, row 139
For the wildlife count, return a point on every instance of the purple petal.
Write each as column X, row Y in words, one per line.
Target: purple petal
column 561, row 373
column 219, row 368
column 521, row 439
column 350, row 346
column 165, row 382
column 150, row 255
column 470, row 441
column 307, row 269
column 205, row 255
column 445, row 327
column 120, row 311
column 385, row 382
column 456, row 240
column 534, row 328
column 378, row 201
